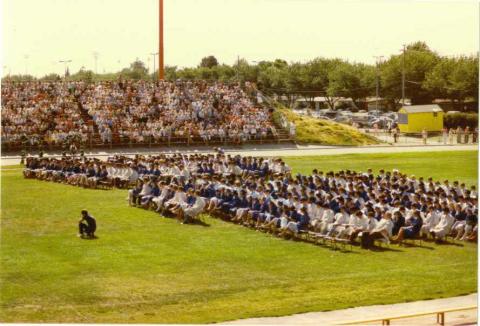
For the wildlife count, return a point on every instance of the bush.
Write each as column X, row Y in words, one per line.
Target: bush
column 461, row 119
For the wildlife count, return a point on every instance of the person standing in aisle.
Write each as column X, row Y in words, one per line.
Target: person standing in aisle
column 459, row 135
column 424, row 136
column 445, row 136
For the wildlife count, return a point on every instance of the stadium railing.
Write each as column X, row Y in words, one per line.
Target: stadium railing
column 386, row 320
column 94, row 141
column 433, row 138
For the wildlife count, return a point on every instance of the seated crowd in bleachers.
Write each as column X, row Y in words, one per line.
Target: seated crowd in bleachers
column 132, row 112
column 139, row 110
column 41, row 112
column 262, row 193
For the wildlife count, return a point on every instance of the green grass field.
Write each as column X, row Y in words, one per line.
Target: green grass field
column 144, row 268
column 461, row 165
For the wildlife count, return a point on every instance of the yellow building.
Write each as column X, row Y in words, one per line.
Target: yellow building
column 414, row 118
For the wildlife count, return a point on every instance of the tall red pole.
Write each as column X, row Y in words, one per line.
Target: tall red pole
column 161, row 69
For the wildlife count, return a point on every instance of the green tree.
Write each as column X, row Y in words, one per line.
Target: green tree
column 205, row 73
column 271, row 78
column 317, row 79
column 295, row 81
column 245, row 72
column 224, row 73
column 454, row 78
column 209, row 62
column 419, row 61
column 170, row 73
column 280, row 64
column 136, row 71
column 51, row 77
column 18, row 78
column 82, row 75
column 356, row 81
column 187, row 73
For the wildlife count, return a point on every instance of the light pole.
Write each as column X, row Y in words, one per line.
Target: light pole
column 161, row 68
column 65, row 63
column 403, row 76
column 154, row 54
column 377, row 91
column 238, row 69
column 95, row 56
column 26, row 63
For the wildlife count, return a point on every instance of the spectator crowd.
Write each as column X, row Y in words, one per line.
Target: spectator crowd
column 41, row 112
column 263, row 193
column 184, row 109
column 131, row 112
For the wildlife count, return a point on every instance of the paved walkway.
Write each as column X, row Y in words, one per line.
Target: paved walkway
column 466, row 317
column 266, row 150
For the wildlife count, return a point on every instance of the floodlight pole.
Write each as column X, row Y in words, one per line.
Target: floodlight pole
column 65, row 63
column 95, row 56
column 377, row 91
column 154, row 54
column 403, row 76
column 161, row 68
column 26, row 56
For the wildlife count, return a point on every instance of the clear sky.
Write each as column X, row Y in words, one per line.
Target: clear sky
column 296, row 30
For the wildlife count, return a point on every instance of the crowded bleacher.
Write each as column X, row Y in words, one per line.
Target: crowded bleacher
column 132, row 112
column 262, row 193
column 41, row 112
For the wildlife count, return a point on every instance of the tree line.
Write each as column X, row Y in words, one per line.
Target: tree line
column 428, row 76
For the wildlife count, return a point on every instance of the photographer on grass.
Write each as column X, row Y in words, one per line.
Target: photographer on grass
column 87, row 225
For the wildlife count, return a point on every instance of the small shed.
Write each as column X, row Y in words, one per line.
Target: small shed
column 415, row 118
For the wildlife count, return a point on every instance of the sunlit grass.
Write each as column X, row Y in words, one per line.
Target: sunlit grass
column 318, row 131
column 144, row 268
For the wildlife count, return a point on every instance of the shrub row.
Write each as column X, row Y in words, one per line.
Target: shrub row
column 461, row 119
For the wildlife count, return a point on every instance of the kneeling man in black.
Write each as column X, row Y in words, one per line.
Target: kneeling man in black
column 87, row 225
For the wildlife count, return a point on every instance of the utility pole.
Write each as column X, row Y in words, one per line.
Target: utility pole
column 26, row 63
column 238, row 69
column 65, row 63
column 161, row 68
column 95, row 56
column 403, row 76
column 154, row 54
column 378, row 59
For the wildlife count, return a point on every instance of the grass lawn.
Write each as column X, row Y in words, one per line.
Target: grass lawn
column 144, row 268
column 454, row 165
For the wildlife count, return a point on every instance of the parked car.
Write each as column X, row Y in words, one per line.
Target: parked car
column 332, row 114
column 343, row 119
column 374, row 113
column 360, row 118
column 391, row 115
column 382, row 123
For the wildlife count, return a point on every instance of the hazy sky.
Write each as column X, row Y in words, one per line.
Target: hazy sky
column 296, row 30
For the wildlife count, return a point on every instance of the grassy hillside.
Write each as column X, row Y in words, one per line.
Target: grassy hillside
column 147, row 269
column 318, row 131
